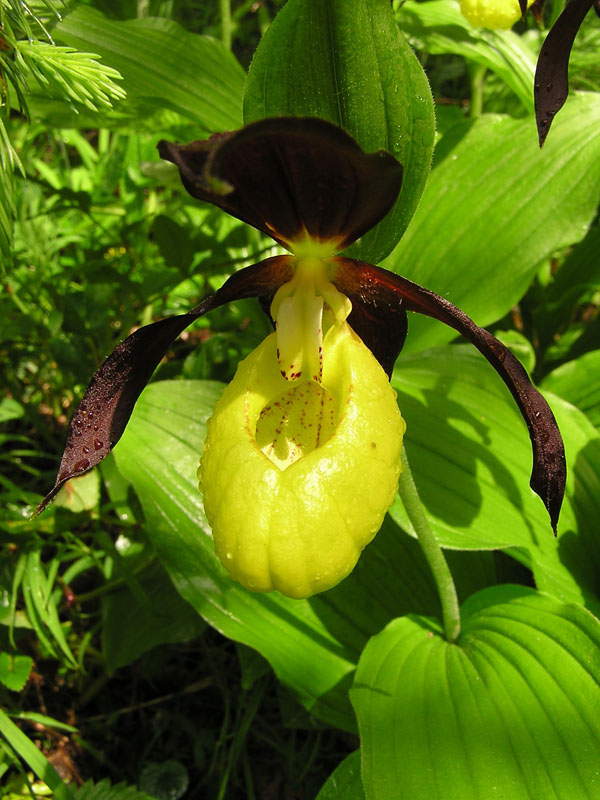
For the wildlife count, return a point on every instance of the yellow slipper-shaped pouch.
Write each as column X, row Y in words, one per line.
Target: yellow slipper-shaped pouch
column 297, row 477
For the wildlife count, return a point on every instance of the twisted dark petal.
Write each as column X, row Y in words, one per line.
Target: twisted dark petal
column 523, row 7
column 108, row 402
column 551, row 86
column 549, row 467
column 290, row 177
column 378, row 315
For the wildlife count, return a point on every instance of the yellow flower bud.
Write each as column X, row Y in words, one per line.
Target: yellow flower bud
column 297, row 476
column 491, row 13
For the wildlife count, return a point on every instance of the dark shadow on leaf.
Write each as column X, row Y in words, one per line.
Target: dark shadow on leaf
column 579, row 551
column 458, row 449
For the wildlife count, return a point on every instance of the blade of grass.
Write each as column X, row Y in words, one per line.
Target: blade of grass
column 26, row 749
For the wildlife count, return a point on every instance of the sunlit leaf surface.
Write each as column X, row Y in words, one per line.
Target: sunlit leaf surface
column 163, row 66
column 510, row 710
column 495, row 207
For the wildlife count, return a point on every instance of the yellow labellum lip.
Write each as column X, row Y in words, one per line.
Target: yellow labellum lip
column 297, row 477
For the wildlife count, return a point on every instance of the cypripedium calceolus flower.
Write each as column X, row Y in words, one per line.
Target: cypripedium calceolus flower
column 302, row 454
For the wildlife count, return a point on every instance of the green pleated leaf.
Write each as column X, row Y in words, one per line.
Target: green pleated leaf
column 348, row 63
column 163, row 65
column 159, row 454
column 578, row 382
column 471, row 456
column 520, row 205
column 345, row 781
column 438, row 27
column 511, row 710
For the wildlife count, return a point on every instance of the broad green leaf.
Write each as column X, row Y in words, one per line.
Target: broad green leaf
column 578, row 382
column 14, row 670
column 80, row 494
column 344, row 781
column 159, row 454
column 471, row 456
column 118, row 491
column 495, row 207
column 348, row 63
column 163, row 65
column 165, row 780
column 131, row 628
column 520, row 346
column 438, row 27
column 510, row 710
column 10, row 409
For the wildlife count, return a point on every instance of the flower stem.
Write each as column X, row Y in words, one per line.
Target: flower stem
column 226, row 23
column 477, row 80
column 431, row 550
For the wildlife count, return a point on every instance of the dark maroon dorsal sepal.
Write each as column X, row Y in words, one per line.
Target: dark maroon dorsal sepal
column 291, row 177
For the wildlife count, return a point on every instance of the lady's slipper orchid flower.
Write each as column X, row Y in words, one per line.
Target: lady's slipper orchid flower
column 302, row 454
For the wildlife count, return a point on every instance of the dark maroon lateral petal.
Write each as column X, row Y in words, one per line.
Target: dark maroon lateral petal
column 549, row 471
column 381, row 327
column 523, row 7
column 551, row 85
column 291, row 176
column 378, row 315
column 103, row 414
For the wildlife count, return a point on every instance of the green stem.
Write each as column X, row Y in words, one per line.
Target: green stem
column 226, row 23
column 477, row 81
column 431, row 550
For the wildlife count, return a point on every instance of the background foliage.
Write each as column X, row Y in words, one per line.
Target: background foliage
column 129, row 662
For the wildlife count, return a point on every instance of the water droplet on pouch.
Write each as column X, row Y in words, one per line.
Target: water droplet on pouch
column 98, row 444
